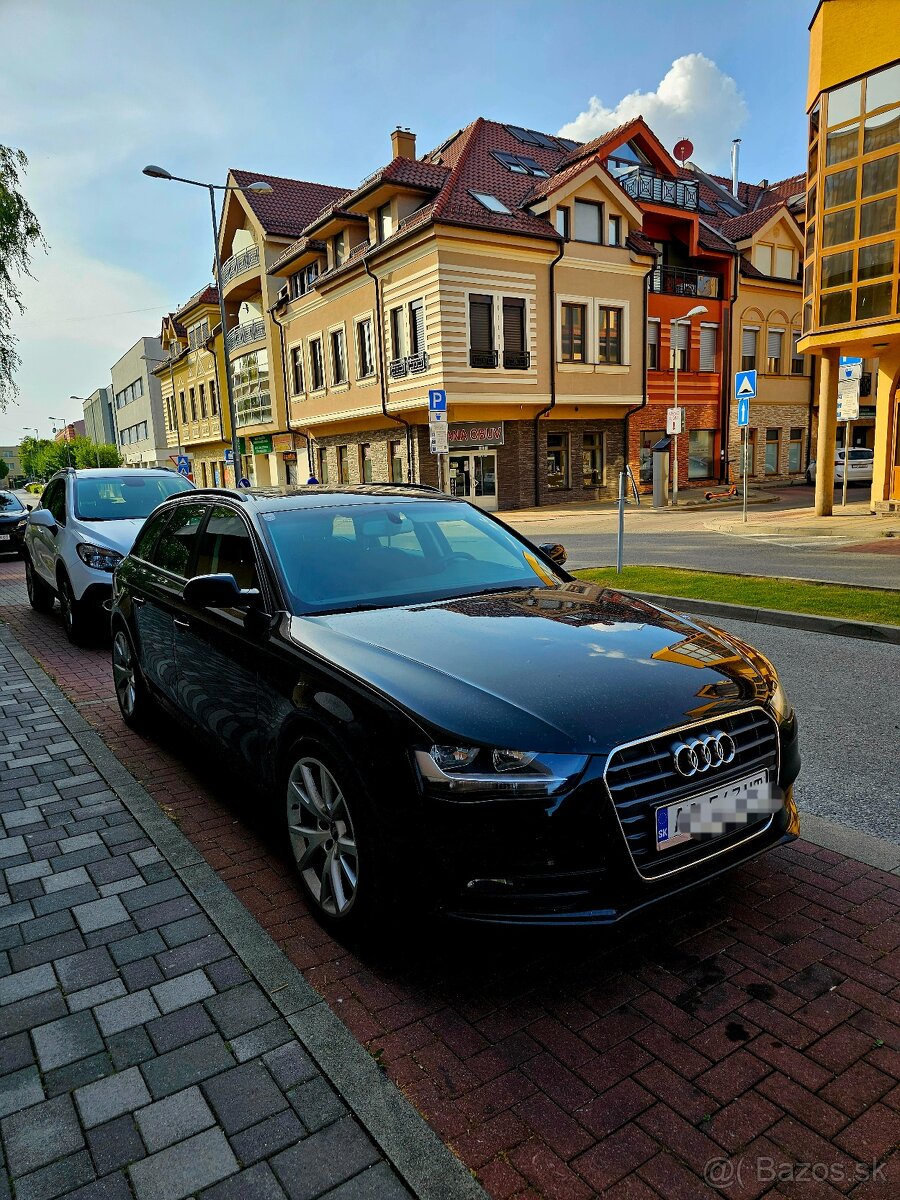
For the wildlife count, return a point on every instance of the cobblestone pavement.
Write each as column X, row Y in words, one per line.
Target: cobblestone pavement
column 139, row 1057
column 755, row 1021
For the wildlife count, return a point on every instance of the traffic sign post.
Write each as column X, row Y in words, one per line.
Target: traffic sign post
column 674, row 426
column 848, row 411
column 184, row 465
column 743, row 418
column 438, row 433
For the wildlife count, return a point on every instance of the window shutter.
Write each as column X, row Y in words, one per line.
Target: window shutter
column 653, row 333
column 708, row 336
column 417, row 326
column 773, row 343
column 481, row 323
column 748, row 342
column 587, row 221
column 513, row 325
column 681, row 336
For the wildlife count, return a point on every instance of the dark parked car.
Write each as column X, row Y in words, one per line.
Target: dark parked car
column 445, row 715
column 13, row 515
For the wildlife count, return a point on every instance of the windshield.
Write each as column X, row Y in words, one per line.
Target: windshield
column 382, row 554
column 124, row 497
column 10, row 503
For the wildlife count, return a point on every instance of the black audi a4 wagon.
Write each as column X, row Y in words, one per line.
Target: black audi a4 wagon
column 446, row 717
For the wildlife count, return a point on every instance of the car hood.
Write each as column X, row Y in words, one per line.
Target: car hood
column 569, row 669
column 116, row 535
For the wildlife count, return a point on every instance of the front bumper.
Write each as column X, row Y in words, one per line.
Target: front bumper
column 16, row 542
column 566, row 862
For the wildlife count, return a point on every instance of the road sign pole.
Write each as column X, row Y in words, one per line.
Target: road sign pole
column 744, row 456
column 847, row 428
column 621, row 538
column 676, row 326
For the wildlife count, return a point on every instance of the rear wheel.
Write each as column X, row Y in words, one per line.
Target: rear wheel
column 40, row 596
column 134, row 699
column 76, row 617
column 333, row 842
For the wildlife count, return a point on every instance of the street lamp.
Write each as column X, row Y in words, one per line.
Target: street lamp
column 65, row 427
column 676, row 321
column 258, row 189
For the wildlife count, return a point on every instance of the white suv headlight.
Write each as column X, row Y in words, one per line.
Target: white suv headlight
column 468, row 770
column 99, row 558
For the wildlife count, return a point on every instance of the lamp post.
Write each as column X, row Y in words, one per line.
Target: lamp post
column 259, row 189
column 676, row 321
column 65, row 426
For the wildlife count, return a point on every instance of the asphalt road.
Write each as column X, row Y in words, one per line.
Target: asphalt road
column 844, row 691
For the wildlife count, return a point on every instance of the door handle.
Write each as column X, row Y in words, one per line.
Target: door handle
column 138, row 601
column 182, row 624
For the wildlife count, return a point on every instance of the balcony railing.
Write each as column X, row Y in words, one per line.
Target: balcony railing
column 397, row 368
column 516, row 360
column 485, row 359
column 238, row 263
column 417, row 363
column 241, row 335
column 653, row 188
column 683, row 281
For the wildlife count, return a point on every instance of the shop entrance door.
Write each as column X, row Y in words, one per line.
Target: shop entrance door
column 473, row 475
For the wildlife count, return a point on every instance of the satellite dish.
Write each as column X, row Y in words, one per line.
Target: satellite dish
column 683, row 150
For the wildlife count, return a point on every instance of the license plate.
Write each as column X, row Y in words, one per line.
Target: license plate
column 714, row 813
column 5, row 537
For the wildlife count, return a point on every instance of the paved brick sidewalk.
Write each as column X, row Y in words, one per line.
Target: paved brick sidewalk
column 139, row 1055
column 756, row 1020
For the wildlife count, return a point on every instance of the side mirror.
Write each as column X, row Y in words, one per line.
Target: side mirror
column 44, row 518
column 555, row 551
column 219, row 591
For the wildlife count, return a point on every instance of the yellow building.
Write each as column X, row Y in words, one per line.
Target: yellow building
column 851, row 304
column 192, row 381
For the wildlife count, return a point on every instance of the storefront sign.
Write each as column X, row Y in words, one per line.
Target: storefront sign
column 282, row 441
column 262, row 444
column 471, row 433
column 289, row 456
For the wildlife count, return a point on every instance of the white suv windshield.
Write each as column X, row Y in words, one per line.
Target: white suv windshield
column 383, row 554
column 124, row 497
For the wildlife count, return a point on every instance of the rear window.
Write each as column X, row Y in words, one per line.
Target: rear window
column 124, row 497
column 861, row 455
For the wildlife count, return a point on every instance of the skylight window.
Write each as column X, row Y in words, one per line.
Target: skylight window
column 568, row 144
column 531, row 138
column 491, row 203
column 520, row 164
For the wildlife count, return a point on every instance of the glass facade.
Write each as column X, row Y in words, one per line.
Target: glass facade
column 250, row 383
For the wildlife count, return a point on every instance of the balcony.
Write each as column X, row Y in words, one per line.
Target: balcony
column 397, row 368
column 417, row 363
column 483, row 359
column 242, row 335
column 243, row 261
column 683, row 281
column 653, row 188
column 516, row 360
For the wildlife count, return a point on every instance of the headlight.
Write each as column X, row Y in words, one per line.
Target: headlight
column 468, row 770
column 781, row 706
column 98, row 557
column 22, row 523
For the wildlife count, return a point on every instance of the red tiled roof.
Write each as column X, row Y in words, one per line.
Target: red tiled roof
column 292, row 205
column 586, row 149
column 295, row 249
column 640, row 244
column 207, row 295
column 406, row 172
column 744, row 226
column 709, row 239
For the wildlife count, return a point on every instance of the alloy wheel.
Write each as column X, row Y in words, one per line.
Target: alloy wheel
column 67, row 605
column 322, row 836
column 29, row 581
column 124, row 676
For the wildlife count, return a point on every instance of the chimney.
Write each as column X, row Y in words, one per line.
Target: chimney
column 403, row 143
column 735, row 158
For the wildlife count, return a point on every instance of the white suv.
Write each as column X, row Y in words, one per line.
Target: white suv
column 84, row 526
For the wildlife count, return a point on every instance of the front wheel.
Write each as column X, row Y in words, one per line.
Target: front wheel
column 332, row 841
column 76, row 618
column 40, row 596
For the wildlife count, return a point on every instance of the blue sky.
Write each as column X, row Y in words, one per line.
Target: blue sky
column 311, row 90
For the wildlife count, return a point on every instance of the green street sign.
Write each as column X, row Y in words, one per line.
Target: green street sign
column 242, row 446
column 262, row 444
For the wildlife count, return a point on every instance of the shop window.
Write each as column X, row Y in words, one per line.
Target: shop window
column 482, row 352
column 365, row 463
column 774, row 348
column 316, row 365
column 649, row 438
column 338, row 357
column 574, row 320
column 588, row 221
column 653, row 345
column 609, row 335
column 396, row 462
column 708, row 341
column 773, row 440
column 795, row 451
column 701, row 447
column 593, row 459
column 343, row 464
column 322, row 456
column 297, row 370
column 558, row 461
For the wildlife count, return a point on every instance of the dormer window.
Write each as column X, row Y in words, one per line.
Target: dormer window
column 491, row 203
column 338, row 248
column 588, row 222
column 520, row 164
column 383, row 223
column 614, row 228
column 304, row 280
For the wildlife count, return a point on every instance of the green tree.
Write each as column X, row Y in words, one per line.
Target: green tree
column 4, row 469
column 20, row 234
column 30, row 453
column 86, row 453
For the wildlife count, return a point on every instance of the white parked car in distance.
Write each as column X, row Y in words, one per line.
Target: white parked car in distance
column 84, row 525
column 860, row 468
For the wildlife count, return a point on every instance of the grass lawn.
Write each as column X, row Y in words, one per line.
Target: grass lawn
column 787, row 595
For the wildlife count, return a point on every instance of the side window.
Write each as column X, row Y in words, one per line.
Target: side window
column 146, row 539
column 175, row 546
column 54, row 499
column 226, row 548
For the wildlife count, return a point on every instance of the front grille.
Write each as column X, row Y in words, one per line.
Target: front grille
column 642, row 775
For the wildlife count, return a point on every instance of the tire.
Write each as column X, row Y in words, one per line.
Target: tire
column 335, row 849
column 76, row 617
column 41, row 597
column 136, row 704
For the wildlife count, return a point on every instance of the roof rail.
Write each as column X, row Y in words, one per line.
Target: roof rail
column 234, row 493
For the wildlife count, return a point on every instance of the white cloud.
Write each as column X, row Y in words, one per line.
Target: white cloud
column 694, row 99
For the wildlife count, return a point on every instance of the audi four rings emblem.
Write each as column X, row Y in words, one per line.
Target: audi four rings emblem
column 704, row 753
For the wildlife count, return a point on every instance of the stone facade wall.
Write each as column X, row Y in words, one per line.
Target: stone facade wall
column 653, row 417
column 783, row 417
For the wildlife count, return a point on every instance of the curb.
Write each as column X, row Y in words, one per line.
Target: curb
column 868, row 631
column 425, row 1164
column 865, row 847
